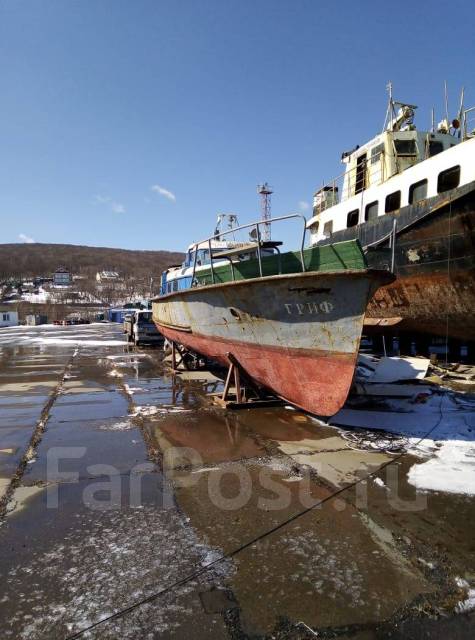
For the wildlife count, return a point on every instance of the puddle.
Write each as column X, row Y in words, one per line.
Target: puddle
column 234, row 476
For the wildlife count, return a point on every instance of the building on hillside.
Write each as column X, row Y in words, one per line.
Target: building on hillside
column 35, row 319
column 108, row 277
column 8, row 318
column 62, row 277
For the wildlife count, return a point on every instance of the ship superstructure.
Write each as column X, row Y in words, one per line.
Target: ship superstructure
column 419, row 186
column 399, row 167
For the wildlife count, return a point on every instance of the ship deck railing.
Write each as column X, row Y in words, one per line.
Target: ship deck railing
column 258, row 245
column 370, row 173
column 468, row 123
column 340, row 256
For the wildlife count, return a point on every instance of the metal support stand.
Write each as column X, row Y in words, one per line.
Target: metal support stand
column 182, row 359
column 245, row 394
column 177, row 357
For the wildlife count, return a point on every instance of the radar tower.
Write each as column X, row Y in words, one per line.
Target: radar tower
column 265, row 191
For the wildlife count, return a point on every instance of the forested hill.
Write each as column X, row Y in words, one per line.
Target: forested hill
column 37, row 259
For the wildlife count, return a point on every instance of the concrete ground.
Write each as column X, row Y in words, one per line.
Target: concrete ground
column 132, row 507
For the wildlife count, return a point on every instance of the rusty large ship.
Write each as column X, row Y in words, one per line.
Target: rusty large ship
column 420, row 185
column 291, row 321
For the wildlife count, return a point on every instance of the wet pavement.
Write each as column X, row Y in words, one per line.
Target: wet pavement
column 132, row 507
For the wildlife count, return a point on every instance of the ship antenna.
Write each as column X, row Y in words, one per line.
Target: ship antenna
column 460, row 113
column 390, row 111
column 446, row 103
column 265, row 191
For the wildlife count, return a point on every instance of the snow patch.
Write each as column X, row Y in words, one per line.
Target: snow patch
column 79, row 340
column 124, row 425
column 452, row 469
column 469, row 603
column 151, row 410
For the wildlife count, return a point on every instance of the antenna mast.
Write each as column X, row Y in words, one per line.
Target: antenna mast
column 390, row 111
column 265, row 191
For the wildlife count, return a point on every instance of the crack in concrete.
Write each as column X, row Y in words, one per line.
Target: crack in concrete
column 36, row 437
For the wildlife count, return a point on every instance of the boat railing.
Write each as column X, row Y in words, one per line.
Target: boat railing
column 258, row 243
column 369, row 172
column 468, row 123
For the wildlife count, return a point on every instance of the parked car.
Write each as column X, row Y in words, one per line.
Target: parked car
column 140, row 328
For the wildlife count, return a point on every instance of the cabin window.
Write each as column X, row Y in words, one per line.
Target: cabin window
column 448, row 179
column 352, row 218
column 371, row 211
column 405, row 146
column 393, row 202
column 418, row 192
column 315, row 227
column 175, row 285
column 435, row 147
column 328, row 229
column 376, row 153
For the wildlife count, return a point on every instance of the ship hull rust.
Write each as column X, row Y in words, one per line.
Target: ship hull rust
column 434, row 290
column 296, row 335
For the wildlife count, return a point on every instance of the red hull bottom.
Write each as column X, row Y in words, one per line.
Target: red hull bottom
column 315, row 381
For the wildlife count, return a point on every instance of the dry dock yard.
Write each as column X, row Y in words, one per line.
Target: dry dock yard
column 133, row 507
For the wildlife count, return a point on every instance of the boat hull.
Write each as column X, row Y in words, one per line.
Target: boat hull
column 297, row 335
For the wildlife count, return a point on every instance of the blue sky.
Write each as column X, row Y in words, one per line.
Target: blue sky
column 133, row 123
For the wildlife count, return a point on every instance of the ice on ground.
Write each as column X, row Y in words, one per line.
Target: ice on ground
column 122, row 356
column 131, row 390
column 115, row 374
column 452, row 469
column 76, row 340
column 379, row 482
column 123, row 425
column 439, row 428
column 102, row 564
column 151, row 410
column 469, row 603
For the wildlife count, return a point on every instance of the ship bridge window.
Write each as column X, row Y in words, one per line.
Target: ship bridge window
column 435, row 147
column 328, row 229
column 448, row 179
column 352, row 218
column 418, row 192
column 405, row 146
column 376, row 153
column 393, row 202
column 371, row 211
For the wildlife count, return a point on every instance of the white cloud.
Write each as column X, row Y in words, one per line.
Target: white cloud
column 101, row 199
column 303, row 205
column 24, row 238
column 116, row 207
column 163, row 192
